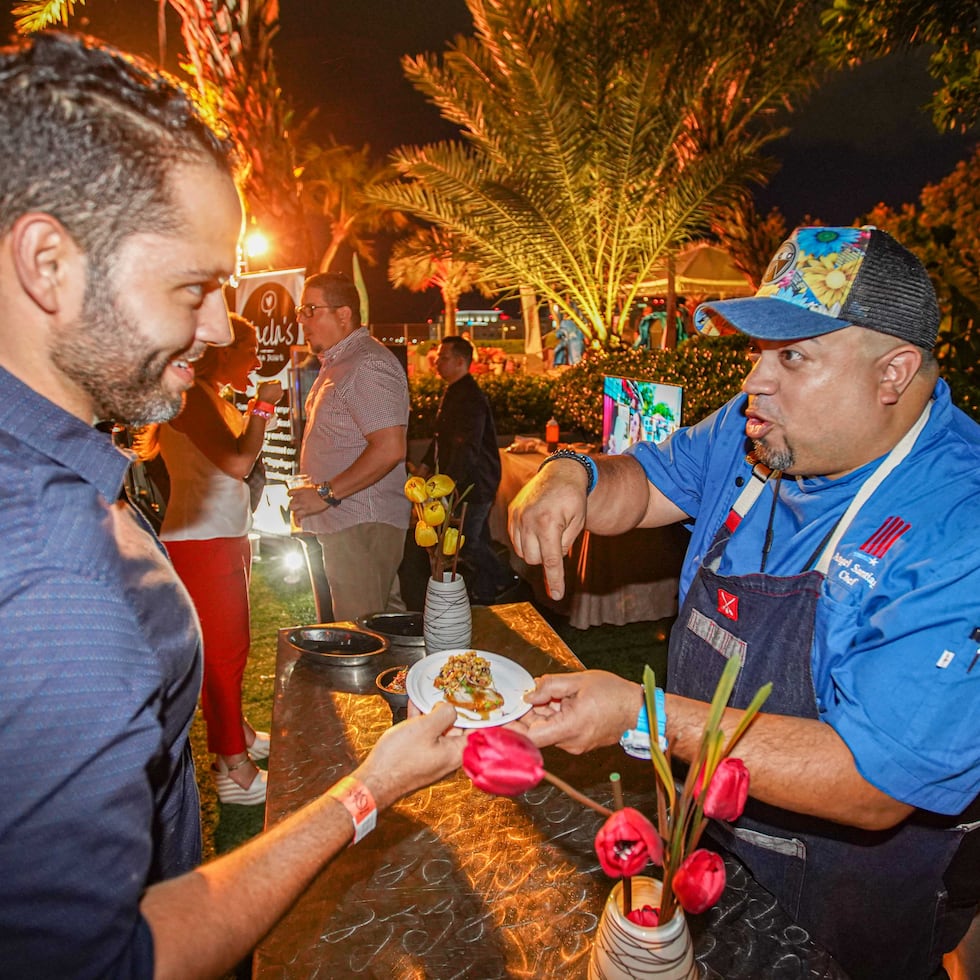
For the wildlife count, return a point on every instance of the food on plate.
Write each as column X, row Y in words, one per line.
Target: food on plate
column 466, row 682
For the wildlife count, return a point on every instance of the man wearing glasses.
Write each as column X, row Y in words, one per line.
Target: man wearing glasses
column 354, row 451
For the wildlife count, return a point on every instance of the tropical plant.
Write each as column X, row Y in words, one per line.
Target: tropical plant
column 336, row 182
column 710, row 370
column 598, row 136
column 432, row 258
column 749, row 239
column 229, row 57
column 943, row 230
column 855, row 30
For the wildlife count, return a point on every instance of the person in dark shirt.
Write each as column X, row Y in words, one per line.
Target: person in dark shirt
column 119, row 225
column 465, row 448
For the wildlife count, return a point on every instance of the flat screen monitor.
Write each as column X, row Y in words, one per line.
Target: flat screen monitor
column 637, row 411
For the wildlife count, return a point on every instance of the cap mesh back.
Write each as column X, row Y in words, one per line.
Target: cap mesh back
column 892, row 294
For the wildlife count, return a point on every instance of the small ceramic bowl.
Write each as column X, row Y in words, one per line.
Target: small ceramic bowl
column 396, row 697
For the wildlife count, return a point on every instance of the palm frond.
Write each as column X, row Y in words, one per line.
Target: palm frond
column 598, row 137
column 34, row 15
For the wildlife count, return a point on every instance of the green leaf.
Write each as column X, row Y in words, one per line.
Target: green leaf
column 657, row 757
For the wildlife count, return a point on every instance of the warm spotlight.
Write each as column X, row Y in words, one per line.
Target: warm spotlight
column 256, row 244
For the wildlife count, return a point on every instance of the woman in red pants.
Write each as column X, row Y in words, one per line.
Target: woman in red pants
column 210, row 449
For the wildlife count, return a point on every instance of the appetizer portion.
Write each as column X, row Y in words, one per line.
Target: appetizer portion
column 466, row 683
column 394, row 680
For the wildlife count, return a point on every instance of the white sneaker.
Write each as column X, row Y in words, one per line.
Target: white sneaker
column 230, row 792
column 259, row 749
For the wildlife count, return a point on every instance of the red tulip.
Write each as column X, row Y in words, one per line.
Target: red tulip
column 699, row 881
column 625, row 842
column 727, row 792
column 647, row 916
column 501, row 761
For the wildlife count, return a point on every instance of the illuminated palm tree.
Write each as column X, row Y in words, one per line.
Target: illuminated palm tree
column 336, row 183
column 598, row 136
column 431, row 258
column 229, row 56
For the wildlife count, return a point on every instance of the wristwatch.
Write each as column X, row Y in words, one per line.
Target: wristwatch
column 326, row 494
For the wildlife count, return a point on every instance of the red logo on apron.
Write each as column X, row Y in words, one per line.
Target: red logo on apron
column 728, row 604
column 884, row 537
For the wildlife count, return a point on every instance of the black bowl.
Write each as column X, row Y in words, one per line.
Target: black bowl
column 342, row 646
column 400, row 629
column 394, row 698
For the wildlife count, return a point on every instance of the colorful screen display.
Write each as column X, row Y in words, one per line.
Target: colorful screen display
column 637, row 411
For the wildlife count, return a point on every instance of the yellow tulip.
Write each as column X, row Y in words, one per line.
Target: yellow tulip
column 415, row 490
column 433, row 513
column 452, row 541
column 425, row 536
column 440, row 485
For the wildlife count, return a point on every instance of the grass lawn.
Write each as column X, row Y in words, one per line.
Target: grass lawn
column 276, row 604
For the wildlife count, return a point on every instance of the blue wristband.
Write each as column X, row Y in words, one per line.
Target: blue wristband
column 636, row 741
column 587, row 461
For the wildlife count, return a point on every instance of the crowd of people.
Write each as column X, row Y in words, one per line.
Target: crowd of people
column 833, row 509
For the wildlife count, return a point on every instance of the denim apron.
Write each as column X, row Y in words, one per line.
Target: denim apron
column 876, row 900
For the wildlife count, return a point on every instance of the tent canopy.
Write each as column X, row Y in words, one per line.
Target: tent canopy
column 700, row 269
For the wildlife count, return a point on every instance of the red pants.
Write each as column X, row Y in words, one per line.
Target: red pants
column 216, row 574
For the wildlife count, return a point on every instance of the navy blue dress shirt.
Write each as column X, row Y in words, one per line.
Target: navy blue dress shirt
column 100, row 669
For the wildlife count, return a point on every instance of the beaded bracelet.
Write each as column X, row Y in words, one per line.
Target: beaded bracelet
column 360, row 805
column 587, row 461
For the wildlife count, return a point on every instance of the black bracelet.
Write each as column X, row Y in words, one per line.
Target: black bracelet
column 587, row 461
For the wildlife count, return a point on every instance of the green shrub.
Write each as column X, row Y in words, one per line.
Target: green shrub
column 424, row 392
column 710, row 369
column 521, row 403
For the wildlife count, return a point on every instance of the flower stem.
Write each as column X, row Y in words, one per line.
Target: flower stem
column 617, row 791
column 576, row 795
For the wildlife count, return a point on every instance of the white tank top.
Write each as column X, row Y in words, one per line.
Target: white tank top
column 205, row 502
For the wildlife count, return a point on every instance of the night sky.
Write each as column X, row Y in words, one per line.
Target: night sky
column 861, row 139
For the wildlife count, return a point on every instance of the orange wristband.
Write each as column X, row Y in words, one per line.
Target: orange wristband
column 360, row 805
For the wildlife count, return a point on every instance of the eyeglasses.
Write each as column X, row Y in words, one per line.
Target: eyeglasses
column 307, row 310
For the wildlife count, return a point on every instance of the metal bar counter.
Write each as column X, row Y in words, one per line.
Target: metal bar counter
column 456, row 883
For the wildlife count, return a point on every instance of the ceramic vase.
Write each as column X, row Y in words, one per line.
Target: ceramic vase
column 623, row 949
column 446, row 621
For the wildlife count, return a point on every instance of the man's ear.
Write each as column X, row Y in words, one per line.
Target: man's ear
column 898, row 367
column 47, row 262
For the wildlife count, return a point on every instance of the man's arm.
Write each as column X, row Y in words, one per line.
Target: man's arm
column 385, row 449
column 795, row 763
column 552, row 509
column 205, row 921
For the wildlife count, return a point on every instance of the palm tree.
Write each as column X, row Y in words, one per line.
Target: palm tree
column 336, row 183
column 598, row 136
column 229, row 51
column 430, row 257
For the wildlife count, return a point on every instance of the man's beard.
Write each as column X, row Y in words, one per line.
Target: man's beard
column 106, row 356
column 775, row 459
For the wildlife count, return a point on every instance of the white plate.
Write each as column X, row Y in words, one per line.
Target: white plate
column 510, row 680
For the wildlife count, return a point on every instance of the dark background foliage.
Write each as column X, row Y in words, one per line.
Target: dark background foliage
column 710, row 369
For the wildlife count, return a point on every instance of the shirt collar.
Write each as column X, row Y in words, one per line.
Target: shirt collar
column 335, row 352
column 67, row 440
